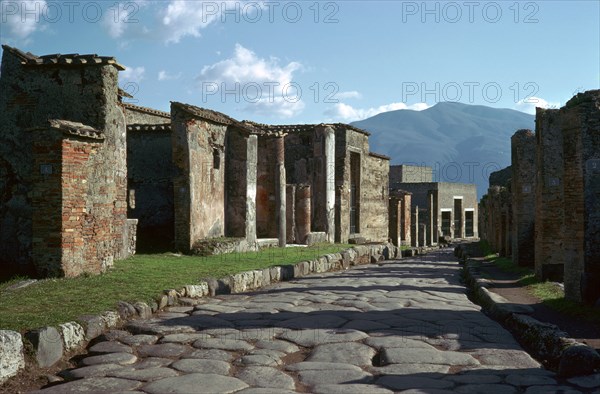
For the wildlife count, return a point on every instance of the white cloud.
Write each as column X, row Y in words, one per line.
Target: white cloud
column 165, row 76
column 23, row 18
column 132, row 74
column 348, row 95
column 186, row 18
column 265, row 86
column 346, row 113
column 528, row 105
column 121, row 16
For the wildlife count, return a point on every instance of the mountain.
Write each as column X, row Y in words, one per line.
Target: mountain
column 463, row 143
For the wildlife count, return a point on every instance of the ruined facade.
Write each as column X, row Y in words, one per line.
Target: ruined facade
column 438, row 208
column 568, row 142
column 523, row 197
column 554, row 196
column 150, row 174
column 400, row 217
column 496, row 218
column 63, row 208
column 325, row 168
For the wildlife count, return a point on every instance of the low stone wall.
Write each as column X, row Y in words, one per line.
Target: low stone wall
column 50, row 344
column 546, row 342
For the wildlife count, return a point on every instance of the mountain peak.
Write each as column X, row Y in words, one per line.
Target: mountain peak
column 462, row 142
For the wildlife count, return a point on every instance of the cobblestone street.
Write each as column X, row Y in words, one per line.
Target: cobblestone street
column 400, row 325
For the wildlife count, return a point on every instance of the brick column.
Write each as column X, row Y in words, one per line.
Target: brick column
column 303, row 213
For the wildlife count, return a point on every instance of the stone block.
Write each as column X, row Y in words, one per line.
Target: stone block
column 275, row 273
column 196, row 291
column 126, row 310
column 111, row 319
column 93, row 326
column 72, row 334
column 47, row 345
column 143, row 310
column 288, row 272
column 11, row 354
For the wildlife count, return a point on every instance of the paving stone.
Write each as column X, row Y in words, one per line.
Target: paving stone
column 282, row 346
column 365, row 325
column 259, row 359
column 183, row 338
column 144, row 375
column 310, row 338
column 530, row 380
column 163, row 350
column 110, row 358
column 266, row 377
column 347, row 352
column 211, row 354
column 265, row 390
column 428, row 356
column 142, row 339
column 396, row 341
column 510, row 358
column 320, row 366
column 180, row 309
column 152, row 362
column 350, row 389
column 95, row 385
column 551, row 389
column 412, row 382
column 410, row 369
column 196, row 382
column 333, row 376
column 197, row 365
column 486, row 388
column 314, row 321
column 588, row 382
column 100, row 370
column 223, row 344
column 109, row 347
column 475, row 378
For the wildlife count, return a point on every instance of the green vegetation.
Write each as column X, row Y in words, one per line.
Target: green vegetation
column 140, row 278
column 549, row 293
column 486, row 249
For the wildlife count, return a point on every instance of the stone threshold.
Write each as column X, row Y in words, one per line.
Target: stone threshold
column 51, row 344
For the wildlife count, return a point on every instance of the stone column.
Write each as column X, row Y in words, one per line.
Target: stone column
column 280, row 190
column 290, row 209
column 431, row 209
column 302, row 213
column 251, row 167
column 416, row 227
column 395, row 219
column 330, row 181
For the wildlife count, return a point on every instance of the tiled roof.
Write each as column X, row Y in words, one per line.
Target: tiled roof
column 149, row 127
column 76, row 129
column 71, row 59
column 379, row 156
column 146, row 110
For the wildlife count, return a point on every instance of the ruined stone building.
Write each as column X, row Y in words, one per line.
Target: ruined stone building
column 63, row 171
column 77, row 160
column 552, row 208
column 337, row 189
column 438, row 208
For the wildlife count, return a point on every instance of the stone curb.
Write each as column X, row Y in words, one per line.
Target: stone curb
column 545, row 341
column 50, row 344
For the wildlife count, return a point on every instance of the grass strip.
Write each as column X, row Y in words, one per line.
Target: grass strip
column 139, row 278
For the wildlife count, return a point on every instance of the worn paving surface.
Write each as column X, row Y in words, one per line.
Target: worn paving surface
column 399, row 326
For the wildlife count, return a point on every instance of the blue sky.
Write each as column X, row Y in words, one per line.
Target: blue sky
column 309, row 61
